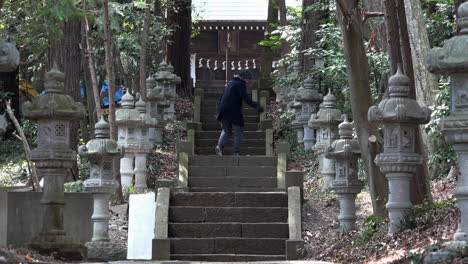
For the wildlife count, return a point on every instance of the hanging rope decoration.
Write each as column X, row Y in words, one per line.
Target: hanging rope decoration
column 235, row 65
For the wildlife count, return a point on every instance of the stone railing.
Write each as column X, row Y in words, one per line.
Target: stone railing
column 184, row 150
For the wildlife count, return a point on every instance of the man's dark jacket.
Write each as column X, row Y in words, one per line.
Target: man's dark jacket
column 230, row 103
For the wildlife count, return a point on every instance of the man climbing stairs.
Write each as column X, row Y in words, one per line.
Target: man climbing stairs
column 253, row 142
column 233, row 209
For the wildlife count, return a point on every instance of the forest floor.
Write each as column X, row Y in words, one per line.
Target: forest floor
column 431, row 223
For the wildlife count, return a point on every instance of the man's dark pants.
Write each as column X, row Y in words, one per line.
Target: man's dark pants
column 226, row 133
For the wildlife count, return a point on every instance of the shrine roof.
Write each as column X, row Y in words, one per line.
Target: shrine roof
column 234, row 10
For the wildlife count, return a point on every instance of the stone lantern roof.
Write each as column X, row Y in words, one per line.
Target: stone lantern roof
column 152, row 93
column 54, row 104
column 166, row 74
column 453, row 57
column 399, row 108
column 9, row 57
column 102, row 145
column 346, row 146
column 307, row 94
column 327, row 113
column 128, row 115
column 140, row 106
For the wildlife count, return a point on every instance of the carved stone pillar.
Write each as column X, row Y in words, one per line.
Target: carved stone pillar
column 296, row 124
column 346, row 151
column 128, row 123
column 452, row 60
column 401, row 117
column 310, row 99
column 53, row 157
column 101, row 152
column 144, row 147
column 153, row 97
column 326, row 123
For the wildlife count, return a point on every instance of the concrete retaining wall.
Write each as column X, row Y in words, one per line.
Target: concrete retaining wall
column 21, row 216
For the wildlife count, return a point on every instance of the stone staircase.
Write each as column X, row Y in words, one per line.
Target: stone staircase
column 233, row 211
column 231, row 208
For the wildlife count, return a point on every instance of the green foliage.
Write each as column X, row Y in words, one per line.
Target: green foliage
column 77, row 186
column 442, row 157
column 372, row 226
column 13, row 173
column 440, row 21
column 427, row 213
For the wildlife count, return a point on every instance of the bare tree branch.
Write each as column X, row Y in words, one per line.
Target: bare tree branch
column 27, row 149
column 36, row 59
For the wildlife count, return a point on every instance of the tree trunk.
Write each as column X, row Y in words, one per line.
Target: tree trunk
column 144, row 49
column 360, row 97
column 111, row 80
column 401, row 52
column 310, row 24
column 178, row 51
column 283, row 22
column 67, row 55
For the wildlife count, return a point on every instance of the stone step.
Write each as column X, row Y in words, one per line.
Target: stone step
column 249, row 182
column 234, row 189
column 215, row 134
column 230, row 199
column 226, row 257
column 257, row 246
column 217, row 126
column 194, row 214
column 253, row 151
column 247, row 230
column 215, row 171
column 211, row 118
column 245, row 142
column 210, row 160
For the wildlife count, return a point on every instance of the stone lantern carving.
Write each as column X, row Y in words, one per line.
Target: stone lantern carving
column 401, row 117
column 9, row 57
column 290, row 91
column 128, row 122
column 346, row 151
column 326, row 123
column 54, row 111
column 166, row 81
column 310, row 99
column 173, row 82
column 145, row 145
column 153, row 97
column 296, row 124
column 101, row 152
column 452, row 60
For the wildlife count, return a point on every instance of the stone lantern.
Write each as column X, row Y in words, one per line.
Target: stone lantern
column 101, row 152
column 162, row 79
column 296, row 124
column 310, row 99
column 290, row 91
column 452, row 60
column 145, row 145
column 166, row 82
column 346, row 151
column 326, row 123
column 401, row 117
column 54, row 112
column 128, row 122
column 153, row 97
column 174, row 80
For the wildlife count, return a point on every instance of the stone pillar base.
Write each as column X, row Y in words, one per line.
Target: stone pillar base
column 161, row 249
column 295, row 249
column 64, row 249
column 105, row 251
